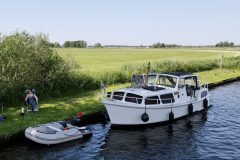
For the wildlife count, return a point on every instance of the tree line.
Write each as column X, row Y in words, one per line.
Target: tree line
column 225, row 44
column 220, row 44
column 75, row 44
column 83, row 44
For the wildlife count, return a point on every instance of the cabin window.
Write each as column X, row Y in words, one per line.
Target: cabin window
column 134, row 98
column 118, row 95
column 152, row 100
column 138, row 81
column 192, row 81
column 204, row 94
column 167, row 98
column 191, row 85
column 166, row 81
column 151, row 79
column 181, row 83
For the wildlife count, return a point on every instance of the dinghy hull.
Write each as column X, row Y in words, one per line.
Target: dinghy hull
column 49, row 134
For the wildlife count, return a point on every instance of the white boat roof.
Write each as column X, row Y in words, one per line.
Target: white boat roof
column 175, row 74
column 144, row 92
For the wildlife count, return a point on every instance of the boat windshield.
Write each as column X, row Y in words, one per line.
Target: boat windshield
column 151, row 79
column 166, row 81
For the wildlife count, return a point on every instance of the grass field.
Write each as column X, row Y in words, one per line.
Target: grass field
column 99, row 60
column 95, row 60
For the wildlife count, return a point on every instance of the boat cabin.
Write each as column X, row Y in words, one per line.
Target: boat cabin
column 159, row 88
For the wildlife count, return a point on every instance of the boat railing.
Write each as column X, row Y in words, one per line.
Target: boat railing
column 137, row 99
column 204, row 85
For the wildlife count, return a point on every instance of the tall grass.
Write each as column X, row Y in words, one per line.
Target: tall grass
column 123, row 74
column 174, row 66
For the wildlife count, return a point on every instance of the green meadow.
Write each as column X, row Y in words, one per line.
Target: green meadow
column 107, row 61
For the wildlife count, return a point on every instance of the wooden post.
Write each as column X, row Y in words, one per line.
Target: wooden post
column 221, row 64
column 148, row 70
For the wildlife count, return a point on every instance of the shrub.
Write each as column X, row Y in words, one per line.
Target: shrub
column 28, row 61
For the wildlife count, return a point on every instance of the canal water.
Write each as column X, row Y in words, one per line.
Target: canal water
column 214, row 135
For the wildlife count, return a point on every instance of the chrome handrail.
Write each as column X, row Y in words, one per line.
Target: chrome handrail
column 204, row 85
column 159, row 101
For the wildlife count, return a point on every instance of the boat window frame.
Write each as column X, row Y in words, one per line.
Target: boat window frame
column 114, row 96
column 149, row 99
column 195, row 80
column 155, row 79
column 179, row 81
column 167, row 100
column 138, row 99
column 175, row 79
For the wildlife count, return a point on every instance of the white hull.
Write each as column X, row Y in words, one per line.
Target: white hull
column 122, row 114
column 162, row 97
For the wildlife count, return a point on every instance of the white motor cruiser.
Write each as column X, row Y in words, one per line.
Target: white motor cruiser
column 155, row 98
column 56, row 132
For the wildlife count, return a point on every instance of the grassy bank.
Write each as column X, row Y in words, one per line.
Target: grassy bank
column 87, row 101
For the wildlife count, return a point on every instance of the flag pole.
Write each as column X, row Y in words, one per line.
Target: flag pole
column 103, row 89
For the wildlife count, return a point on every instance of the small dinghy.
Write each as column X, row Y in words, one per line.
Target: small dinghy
column 56, row 132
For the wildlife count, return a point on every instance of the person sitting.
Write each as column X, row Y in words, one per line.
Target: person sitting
column 32, row 100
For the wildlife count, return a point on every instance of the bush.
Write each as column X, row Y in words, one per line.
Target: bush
column 28, row 61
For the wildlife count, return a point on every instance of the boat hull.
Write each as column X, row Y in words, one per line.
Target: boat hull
column 34, row 134
column 124, row 114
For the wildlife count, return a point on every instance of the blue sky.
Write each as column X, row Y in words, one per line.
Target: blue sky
column 127, row 22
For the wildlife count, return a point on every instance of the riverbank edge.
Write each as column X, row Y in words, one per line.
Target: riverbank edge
column 97, row 116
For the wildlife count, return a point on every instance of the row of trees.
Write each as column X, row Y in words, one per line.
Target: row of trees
column 220, row 44
column 83, row 44
column 75, row 44
column 225, row 44
column 163, row 45
column 55, row 45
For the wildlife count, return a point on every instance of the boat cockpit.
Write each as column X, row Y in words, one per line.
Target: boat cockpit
column 164, row 81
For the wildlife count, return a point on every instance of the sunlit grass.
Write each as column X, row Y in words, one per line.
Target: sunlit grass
column 218, row 75
column 107, row 59
column 53, row 110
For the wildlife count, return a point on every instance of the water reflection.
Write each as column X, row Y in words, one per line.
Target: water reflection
column 163, row 141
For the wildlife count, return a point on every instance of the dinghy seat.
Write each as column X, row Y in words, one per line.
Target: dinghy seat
column 46, row 130
column 55, row 128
